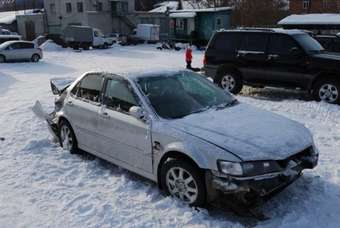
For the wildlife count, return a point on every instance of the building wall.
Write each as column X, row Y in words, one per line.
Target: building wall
column 206, row 23
column 314, row 6
column 58, row 18
column 37, row 20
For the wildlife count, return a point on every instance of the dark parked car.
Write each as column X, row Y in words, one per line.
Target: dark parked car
column 329, row 42
column 273, row 57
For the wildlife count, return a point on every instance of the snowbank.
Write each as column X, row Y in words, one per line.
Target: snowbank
column 49, row 45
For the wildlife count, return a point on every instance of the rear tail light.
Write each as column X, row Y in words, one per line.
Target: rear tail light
column 205, row 59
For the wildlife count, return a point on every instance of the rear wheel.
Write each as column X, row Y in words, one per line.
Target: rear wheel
column 230, row 81
column 184, row 181
column 327, row 90
column 67, row 138
column 2, row 59
column 35, row 58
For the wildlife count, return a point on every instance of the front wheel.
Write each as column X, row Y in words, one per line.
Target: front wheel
column 327, row 90
column 2, row 59
column 184, row 181
column 67, row 138
column 230, row 81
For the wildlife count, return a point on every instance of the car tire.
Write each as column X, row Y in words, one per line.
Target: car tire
column 188, row 187
column 328, row 90
column 67, row 138
column 230, row 81
column 2, row 59
column 35, row 58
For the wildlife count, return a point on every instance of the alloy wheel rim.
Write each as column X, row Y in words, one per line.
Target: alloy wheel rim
column 328, row 93
column 66, row 138
column 35, row 58
column 228, row 82
column 181, row 184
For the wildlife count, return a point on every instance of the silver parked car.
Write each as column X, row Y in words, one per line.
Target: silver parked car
column 20, row 50
column 183, row 132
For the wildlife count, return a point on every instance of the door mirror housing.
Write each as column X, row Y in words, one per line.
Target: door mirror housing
column 137, row 112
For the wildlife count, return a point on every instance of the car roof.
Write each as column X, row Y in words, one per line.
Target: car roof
column 266, row 30
column 137, row 74
column 17, row 41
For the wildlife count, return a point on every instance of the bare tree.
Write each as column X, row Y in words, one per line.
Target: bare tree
column 258, row 12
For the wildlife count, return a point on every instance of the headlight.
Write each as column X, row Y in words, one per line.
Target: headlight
column 248, row 168
column 231, row 168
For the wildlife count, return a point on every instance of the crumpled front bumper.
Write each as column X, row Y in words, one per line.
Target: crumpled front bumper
column 261, row 185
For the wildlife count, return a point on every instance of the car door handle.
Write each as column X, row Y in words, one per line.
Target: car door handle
column 70, row 103
column 272, row 57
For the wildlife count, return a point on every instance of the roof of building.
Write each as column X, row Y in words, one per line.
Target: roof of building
column 10, row 16
column 311, row 19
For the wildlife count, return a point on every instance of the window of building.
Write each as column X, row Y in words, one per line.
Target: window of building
column 218, row 23
column 80, row 7
column 52, row 8
column 180, row 24
column 99, row 6
column 305, row 4
column 68, row 7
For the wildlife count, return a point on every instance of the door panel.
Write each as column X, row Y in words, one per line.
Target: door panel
column 124, row 137
column 252, row 56
column 84, row 120
column 82, row 108
column 284, row 67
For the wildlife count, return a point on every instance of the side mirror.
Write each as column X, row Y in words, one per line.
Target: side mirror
column 137, row 112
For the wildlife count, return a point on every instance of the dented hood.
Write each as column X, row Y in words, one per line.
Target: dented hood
column 248, row 132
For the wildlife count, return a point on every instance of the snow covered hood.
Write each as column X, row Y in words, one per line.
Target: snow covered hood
column 247, row 132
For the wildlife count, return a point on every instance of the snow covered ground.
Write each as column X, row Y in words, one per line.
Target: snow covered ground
column 42, row 185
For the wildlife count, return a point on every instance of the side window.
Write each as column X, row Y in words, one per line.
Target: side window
column 119, row 95
column 254, row 42
column 75, row 90
column 27, row 45
column 90, row 87
column 14, row 46
column 281, row 44
column 226, row 41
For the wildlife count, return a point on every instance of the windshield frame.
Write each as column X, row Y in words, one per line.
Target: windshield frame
column 233, row 100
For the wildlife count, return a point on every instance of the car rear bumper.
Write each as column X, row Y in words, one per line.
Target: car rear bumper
column 210, row 71
column 261, row 185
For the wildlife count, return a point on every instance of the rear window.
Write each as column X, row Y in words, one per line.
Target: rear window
column 226, row 41
column 254, row 42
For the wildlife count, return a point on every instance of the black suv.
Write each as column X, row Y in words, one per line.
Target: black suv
column 273, row 57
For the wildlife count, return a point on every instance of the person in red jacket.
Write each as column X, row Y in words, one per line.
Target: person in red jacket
column 188, row 57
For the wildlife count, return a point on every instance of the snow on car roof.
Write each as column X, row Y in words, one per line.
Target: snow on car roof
column 137, row 74
column 274, row 30
column 311, row 19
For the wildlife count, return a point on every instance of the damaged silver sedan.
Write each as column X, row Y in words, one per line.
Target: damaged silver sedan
column 183, row 132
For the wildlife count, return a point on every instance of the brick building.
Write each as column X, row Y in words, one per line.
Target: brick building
column 314, row 6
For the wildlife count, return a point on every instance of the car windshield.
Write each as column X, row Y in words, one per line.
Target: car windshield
column 308, row 43
column 178, row 95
